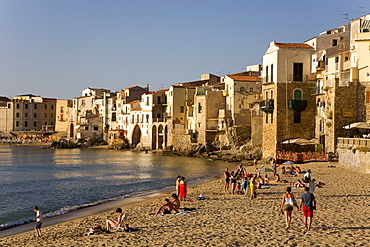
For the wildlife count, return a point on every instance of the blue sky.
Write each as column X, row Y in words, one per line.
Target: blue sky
column 57, row 48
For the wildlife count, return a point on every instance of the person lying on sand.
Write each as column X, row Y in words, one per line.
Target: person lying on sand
column 299, row 184
column 167, row 208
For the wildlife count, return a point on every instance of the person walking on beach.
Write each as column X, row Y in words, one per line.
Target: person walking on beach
column 227, row 179
column 287, row 204
column 182, row 189
column 307, row 205
column 39, row 219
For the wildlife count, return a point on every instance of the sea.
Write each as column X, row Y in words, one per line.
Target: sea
column 59, row 181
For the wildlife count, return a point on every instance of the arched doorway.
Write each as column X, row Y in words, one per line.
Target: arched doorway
column 136, row 136
column 160, row 137
column 154, row 137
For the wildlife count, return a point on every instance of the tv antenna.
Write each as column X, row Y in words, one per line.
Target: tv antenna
column 345, row 18
column 362, row 11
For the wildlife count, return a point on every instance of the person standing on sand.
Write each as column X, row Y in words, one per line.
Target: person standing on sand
column 233, row 182
column 227, row 179
column 183, row 189
column 307, row 205
column 177, row 185
column 39, row 219
column 252, row 186
column 287, row 204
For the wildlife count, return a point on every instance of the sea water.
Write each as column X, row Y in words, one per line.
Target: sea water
column 63, row 180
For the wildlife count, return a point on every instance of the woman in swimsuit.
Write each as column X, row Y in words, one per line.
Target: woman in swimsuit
column 227, row 179
column 287, row 204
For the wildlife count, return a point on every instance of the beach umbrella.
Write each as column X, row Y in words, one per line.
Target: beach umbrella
column 264, row 169
column 299, row 141
column 357, row 125
column 289, row 162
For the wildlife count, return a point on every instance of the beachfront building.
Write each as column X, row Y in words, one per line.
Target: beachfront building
column 85, row 118
column 62, row 120
column 27, row 115
column 241, row 90
column 288, row 107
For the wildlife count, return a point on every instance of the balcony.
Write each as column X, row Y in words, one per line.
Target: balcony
column 298, row 105
column 267, row 108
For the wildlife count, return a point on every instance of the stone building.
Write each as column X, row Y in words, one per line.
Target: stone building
column 287, row 102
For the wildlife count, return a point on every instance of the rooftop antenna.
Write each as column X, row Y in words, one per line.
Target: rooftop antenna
column 345, row 18
column 362, row 11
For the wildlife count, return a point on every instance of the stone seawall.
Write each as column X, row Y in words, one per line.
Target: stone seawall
column 355, row 158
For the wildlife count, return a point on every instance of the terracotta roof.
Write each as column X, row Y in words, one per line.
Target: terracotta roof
column 4, row 98
column 159, row 91
column 244, row 78
column 137, row 109
column 293, row 45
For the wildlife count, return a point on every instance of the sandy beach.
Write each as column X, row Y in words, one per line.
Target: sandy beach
column 341, row 219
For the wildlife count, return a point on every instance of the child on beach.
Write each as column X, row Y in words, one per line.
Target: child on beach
column 39, row 220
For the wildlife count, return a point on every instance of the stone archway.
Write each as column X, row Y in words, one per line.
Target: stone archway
column 160, row 137
column 154, row 137
column 136, row 136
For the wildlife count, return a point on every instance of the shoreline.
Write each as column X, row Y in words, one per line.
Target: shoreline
column 98, row 209
column 231, row 220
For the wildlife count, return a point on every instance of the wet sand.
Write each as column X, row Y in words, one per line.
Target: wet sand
column 341, row 219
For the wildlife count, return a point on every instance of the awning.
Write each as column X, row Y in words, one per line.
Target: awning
column 365, row 24
column 299, row 141
column 358, row 125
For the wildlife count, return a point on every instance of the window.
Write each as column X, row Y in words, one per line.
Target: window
column 86, row 127
column 46, row 107
column 26, row 114
column 25, row 124
column 26, row 106
column 336, row 59
column 35, row 115
column 242, row 89
column 45, row 115
column 297, row 117
column 51, row 123
column 251, row 89
column 96, row 128
column 182, row 109
column 199, row 107
column 82, row 102
column 52, row 107
column 367, row 97
column 17, row 124
column 35, row 106
column 114, row 116
column 297, row 94
column 147, row 118
column 17, row 106
column 272, row 73
column 298, row 72
column 35, row 124
column 334, row 42
column 52, row 115
column 267, row 74
column 17, row 114
column 9, row 106
column 346, row 58
column 62, row 109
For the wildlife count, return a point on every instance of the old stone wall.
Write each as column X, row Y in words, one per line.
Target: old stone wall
column 354, row 158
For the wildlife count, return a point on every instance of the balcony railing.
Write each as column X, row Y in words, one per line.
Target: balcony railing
column 298, row 105
column 267, row 108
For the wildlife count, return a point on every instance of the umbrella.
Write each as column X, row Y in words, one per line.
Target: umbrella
column 357, row 125
column 299, row 141
column 289, row 162
column 264, row 169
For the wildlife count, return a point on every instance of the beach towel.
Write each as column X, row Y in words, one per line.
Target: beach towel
column 182, row 212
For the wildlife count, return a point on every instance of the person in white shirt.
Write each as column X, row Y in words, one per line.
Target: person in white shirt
column 39, row 219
